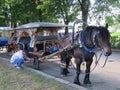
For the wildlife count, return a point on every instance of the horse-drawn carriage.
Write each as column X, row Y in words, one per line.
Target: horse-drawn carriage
column 5, row 34
column 41, row 41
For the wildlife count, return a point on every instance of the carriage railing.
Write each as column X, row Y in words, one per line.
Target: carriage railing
column 73, row 28
column 64, row 44
column 43, row 43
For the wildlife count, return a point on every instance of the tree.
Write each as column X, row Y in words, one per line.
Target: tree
column 22, row 11
column 84, row 8
column 60, row 9
column 25, row 11
column 100, row 9
column 3, row 13
column 108, row 9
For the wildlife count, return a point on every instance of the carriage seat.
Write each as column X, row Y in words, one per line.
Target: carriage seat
column 44, row 38
column 25, row 40
column 41, row 46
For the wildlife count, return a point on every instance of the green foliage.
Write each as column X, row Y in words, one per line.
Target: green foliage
column 118, row 19
column 104, row 9
column 113, row 20
column 116, row 34
column 115, row 40
column 58, row 9
column 54, row 10
column 23, row 11
column 2, row 17
column 109, row 20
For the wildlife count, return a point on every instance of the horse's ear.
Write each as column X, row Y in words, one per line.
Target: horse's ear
column 106, row 25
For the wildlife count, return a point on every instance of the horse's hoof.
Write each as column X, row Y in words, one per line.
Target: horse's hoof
column 87, row 82
column 88, row 85
column 67, row 72
column 78, row 83
column 62, row 75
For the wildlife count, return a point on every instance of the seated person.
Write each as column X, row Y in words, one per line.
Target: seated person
column 19, row 57
column 49, row 49
column 52, row 48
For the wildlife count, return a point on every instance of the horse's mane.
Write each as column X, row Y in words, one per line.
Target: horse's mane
column 102, row 30
column 88, row 33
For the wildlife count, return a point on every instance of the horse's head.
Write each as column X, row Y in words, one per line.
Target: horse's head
column 103, row 39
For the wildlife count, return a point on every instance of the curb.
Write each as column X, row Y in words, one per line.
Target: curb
column 52, row 77
column 116, row 50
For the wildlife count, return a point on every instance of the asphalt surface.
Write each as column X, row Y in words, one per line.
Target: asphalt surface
column 107, row 78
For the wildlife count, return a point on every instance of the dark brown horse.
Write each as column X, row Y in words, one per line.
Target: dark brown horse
column 91, row 38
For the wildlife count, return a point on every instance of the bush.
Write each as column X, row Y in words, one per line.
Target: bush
column 115, row 40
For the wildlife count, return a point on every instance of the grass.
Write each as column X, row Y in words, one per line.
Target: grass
column 115, row 34
column 13, row 79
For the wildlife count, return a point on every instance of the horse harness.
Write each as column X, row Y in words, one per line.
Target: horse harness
column 93, row 49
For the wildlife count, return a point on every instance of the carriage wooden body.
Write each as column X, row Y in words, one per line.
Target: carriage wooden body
column 46, row 34
column 91, row 36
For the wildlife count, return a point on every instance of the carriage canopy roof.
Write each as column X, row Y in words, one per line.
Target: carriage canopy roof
column 5, row 28
column 41, row 25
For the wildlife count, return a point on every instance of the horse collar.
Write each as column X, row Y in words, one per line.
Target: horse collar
column 90, row 50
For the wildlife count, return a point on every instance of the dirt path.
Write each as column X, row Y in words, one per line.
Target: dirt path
column 107, row 78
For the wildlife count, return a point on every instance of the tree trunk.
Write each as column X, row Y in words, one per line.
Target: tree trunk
column 85, row 9
column 84, row 17
column 66, row 28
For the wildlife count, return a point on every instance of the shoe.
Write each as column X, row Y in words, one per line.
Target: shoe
column 18, row 67
column 15, row 65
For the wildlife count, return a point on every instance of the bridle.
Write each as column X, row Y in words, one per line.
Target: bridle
column 101, row 48
column 90, row 50
column 94, row 49
column 98, row 58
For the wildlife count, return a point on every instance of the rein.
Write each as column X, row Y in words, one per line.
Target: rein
column 90, row 50
column 97, row 60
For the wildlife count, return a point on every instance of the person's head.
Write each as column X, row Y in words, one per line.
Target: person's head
column 24, row 34
column 17, row 47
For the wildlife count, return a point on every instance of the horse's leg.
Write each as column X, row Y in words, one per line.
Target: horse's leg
column 68, row 59
column 78, row 64
column 63, row 65
column 87, row 75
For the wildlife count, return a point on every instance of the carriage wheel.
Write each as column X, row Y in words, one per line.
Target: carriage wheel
column 7, row 48
column 36, row 63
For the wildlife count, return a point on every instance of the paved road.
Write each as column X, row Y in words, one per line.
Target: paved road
column 107, row 78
